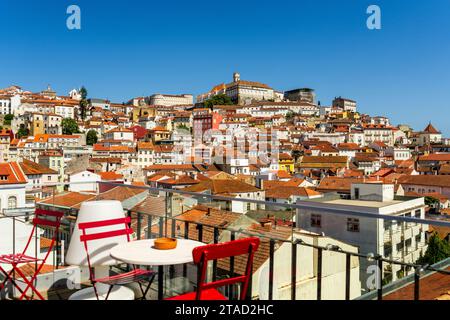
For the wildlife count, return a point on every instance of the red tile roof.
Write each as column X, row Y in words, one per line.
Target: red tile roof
column 12, row 173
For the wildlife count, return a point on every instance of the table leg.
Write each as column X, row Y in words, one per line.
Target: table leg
column 160, row 282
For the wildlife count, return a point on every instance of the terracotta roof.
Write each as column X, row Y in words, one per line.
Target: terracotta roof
column 435, row 157
column 210, row 217
column 68, row 199
column 223, row 187
column 170, row 167
column 145, row 146
column 109, row 160
column 110, row 175
column 100, row 147
column 426, row 180
column 444, row 169
column 432, row 287
column 180, row 180
column 120, row 193
column 325, row 159
column 330, row 184
column 31, row 168
column 46, row 137
column 284, row 156
column 11, row 173
column 430, row 129
column 282, row 174
column 263, row 253
column 284, row 192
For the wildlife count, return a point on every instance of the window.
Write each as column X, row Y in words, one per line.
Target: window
column 12, row 202
column 356, row 193
column 316, row 220
column 418, row 213
column 352, row 225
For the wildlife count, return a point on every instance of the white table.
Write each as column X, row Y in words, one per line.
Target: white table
column 142, row 252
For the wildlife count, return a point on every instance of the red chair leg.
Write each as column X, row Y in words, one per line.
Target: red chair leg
column 29, row 286
column 10, row 279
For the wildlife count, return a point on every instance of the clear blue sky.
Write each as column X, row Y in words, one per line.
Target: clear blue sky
column 132, row 48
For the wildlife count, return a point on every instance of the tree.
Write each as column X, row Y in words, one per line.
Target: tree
column 7, row 119
column 437, row 250
column 220, row 99
column 83, row 102
column 91, row 137
column 22, row 132
column 69, row 126
column 183, row 127
column 431, row 201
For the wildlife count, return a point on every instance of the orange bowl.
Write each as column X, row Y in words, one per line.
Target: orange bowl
column 165, row 243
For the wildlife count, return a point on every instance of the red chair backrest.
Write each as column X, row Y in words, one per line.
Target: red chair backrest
column 85, row 238
column 43, row 217
column 203, row 254
column 108, row 234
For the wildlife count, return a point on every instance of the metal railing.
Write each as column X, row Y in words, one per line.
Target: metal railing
column 158, row 225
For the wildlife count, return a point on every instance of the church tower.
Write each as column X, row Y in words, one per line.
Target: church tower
column 236, row 77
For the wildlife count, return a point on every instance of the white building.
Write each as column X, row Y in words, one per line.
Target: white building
column 171, row 99
column 85, row 181
column 393, row 240
column 65, row 111
column 401, row 153
column 5, row 105
column 120, row 134
column 242, row 91
column 380, row 132
column 13, row 183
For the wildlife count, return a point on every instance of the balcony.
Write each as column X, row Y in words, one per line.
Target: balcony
column 291, row 263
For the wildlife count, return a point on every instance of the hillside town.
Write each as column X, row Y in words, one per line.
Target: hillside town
column 241, row 139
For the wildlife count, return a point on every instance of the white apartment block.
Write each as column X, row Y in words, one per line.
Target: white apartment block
column 393, row 240
column 401, row 153
column 381, row 133
column 5, row 105
column 65, row 111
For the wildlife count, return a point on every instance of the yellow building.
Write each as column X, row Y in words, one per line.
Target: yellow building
column 286, row 162
column 143, row 111
column 37, row 124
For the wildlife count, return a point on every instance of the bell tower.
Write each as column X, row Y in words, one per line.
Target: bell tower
column 236, row 77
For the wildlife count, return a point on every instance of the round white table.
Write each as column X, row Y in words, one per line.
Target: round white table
column 142, row 252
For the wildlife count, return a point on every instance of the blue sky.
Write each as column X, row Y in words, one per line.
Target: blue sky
column 133, row 48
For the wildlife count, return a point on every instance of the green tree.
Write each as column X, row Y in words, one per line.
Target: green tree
column 220, row 99
column 69, row 126
column 430, row 201
column 91, row 137
column 183, row 127
column 83, row 102
column 7, row 119
column 22, row 132
column 437, row 250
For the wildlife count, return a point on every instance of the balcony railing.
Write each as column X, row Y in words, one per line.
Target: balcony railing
column 293, row 263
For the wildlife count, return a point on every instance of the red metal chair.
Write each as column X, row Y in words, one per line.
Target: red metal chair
column 203, row 254
column 44, row 219
column 136, row 275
